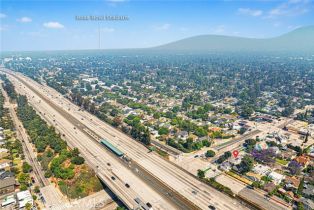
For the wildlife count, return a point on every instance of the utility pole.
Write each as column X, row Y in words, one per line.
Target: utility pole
column 98, row 35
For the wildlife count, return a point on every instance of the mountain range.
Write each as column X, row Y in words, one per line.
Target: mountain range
column 300, row 39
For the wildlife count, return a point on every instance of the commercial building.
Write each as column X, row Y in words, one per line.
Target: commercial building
column 7, row 185
column 23, row 198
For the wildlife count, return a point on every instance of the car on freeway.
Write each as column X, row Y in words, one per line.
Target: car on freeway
column 211, row 207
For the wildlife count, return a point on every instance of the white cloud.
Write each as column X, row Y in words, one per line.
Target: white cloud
column 162, row 27
column 183, row 29
column 219, row 29
column 292, row 27
column 3, row 27
column 116, row 1
column 277, row 24
column 107, row 30
column 25, row 20
column 250, row 12
column 53, row 25
column 290, row 8
column 2, row 15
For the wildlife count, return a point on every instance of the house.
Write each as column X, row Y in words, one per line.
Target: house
column 236, row 127
column 276, row 177
column 154, row 133
column 5, row 164
column 263, row 118
column 275, row 149
column 269, row 187
column 183, row 135
column 225, row 166
column 309, row 177
column 311, row 152
column 3, row 153
column 7, row 185
column 204, row 138
column 8, row 201
column 23, row 198
column 308, row 203
column 308, row 190
column 303, row 160
column 292, row 182
column 261, row 169
column 6, row 174
column 288, row 154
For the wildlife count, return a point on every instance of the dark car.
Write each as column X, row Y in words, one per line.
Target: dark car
column 211, row 207
column 127, row 185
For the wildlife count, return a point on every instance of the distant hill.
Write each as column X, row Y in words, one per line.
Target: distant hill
column 301, row 39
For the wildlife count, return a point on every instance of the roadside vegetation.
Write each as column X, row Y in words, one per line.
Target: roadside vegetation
column 20, row 168
column 62, row 165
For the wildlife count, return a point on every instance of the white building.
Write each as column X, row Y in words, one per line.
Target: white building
column 8, row 201
column 276, row 177
column 261, row 169
column 23, row 198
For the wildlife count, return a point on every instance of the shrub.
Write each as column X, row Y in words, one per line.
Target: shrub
column 77, row 160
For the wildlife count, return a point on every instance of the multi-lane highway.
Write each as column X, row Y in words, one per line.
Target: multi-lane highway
column 149, row 177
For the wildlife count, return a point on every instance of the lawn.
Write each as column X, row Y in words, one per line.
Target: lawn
column 281, row 162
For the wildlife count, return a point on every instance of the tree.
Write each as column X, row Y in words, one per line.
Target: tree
column 48, row 174
column 242, row 130
column 227, row 154
column 294, row 167
column 163, row 131
column 120, row 208
column 223, row 157
column 28, row 206
column 75, row 152
column 77, row 160
column 300, row 206
column 156, row 115
column 200, row 174
column 26, row 167
column 287, row 111
column 246, row 164
column 200, row 132
column 36, row 189
column 116, row 121
column 210, row 153
column 245, row 111
column 92, row 108
column 206, row 143
column 267, row 156
column 24, row 178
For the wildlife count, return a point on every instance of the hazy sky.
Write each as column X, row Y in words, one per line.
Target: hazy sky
column 51, row 25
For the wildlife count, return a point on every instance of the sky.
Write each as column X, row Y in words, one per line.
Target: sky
column 69, row 25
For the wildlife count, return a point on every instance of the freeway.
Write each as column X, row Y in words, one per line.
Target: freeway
column 108, row 169
column 179, row 184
